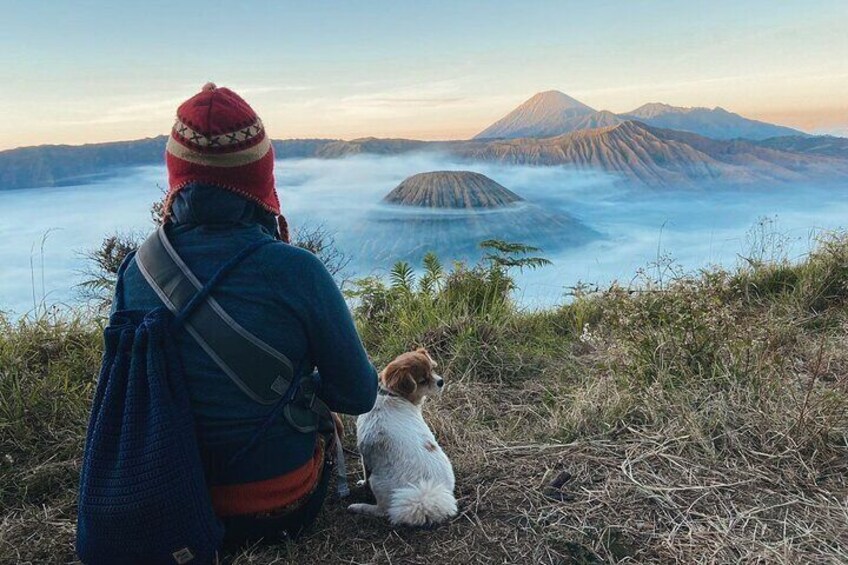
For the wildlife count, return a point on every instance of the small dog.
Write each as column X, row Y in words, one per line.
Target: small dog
column 409, row 474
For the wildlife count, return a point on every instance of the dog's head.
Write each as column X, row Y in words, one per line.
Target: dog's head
column 411, row 376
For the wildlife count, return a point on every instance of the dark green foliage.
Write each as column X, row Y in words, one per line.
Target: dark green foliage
column 460, row 312
column 103, row 265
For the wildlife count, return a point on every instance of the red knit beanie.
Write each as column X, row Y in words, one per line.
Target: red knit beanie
column 218, row 139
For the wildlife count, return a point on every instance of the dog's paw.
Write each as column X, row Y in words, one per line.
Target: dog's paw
column 361, row 483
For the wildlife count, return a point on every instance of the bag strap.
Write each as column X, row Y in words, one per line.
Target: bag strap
column 258, row 369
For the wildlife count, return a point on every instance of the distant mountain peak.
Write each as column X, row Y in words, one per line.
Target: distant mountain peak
column 554, row 101
column 653, row 109
column 544, row 114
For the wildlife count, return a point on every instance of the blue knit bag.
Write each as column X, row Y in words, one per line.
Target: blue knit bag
column 143, row 497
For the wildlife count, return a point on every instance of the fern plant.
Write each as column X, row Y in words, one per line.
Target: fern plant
column 506, row 255
column 402, row 277
column 434, row 274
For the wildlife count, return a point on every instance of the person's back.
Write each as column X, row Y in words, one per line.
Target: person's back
column 281, row 294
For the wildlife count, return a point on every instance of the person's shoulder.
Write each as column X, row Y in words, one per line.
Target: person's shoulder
column 280, row 256
column 294, row 273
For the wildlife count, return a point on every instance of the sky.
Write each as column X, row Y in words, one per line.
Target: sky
column 84, row 71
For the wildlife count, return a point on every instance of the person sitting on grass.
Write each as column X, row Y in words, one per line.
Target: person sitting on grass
column 221, row 199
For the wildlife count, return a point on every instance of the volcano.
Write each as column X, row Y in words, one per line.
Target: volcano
column 546, row 114
column 451, row 189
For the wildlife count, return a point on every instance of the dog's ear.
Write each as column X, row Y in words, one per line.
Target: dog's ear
column 423, row 351
column 399, row 379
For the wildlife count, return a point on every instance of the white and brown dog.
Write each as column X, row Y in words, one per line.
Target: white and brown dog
column 411, row 477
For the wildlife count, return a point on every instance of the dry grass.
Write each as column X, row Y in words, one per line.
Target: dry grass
column 703, row 420
column 631, row 495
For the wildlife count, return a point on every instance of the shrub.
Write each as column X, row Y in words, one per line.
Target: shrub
column 823, row 277
column 463, row 314
column 103, row 265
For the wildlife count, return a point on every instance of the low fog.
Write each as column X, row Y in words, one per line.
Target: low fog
column 594, row 228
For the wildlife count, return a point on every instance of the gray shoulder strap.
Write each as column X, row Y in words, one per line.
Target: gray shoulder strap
column 262, row 372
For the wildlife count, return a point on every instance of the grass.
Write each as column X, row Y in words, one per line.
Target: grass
column 691, row 418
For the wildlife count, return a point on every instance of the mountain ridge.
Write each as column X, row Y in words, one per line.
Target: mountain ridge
column 550, row 128
column 630, row 149
column 552, row 113
column 716, row 122
column 660, row 157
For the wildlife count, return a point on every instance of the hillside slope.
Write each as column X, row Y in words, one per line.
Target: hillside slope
column 56, row 165
column 658, row 157
column 367, row 145
column 826, row 145
column 696, row 420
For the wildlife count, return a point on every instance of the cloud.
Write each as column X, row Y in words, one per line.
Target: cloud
column 150, row 106
column 112, row 111
column 250, row 90
column 417, row 102
column 423, row 94
column 697, row 227
column 840, row 131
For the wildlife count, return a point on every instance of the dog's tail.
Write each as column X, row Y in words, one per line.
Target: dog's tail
column 428, row 502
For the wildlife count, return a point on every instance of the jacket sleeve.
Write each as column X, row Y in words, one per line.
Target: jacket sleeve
column 348, row 379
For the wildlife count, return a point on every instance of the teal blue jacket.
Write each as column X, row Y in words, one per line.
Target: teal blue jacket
column 286, row 297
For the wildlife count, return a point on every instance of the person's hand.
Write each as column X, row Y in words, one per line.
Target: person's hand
column 337, row 421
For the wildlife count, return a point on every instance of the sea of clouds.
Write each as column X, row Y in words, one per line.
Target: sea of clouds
column 45, row 231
